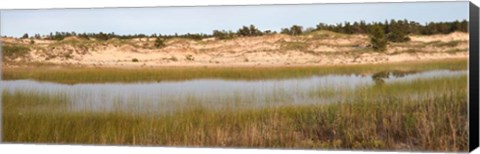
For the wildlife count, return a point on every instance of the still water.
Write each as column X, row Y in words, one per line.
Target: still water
column 213, row 93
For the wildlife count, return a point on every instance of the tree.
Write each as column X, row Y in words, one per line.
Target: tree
column 25, row 36
column 377, row 38
column 254, row 31
column 322, row 26
column 398, row 32
column 223, row 34
column 296, row 30
column 37, row 36
column 249, row 31
column 285, row 31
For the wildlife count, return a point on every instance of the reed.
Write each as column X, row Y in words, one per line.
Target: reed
column 380, row 117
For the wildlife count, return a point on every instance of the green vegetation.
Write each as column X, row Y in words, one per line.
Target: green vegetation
column 24, row 36
column 298, row 45
column 377, row 39
column 74, row 74
column 159, row 43
column 396, row 30
column 403, row 26
column 294, row 30
column 444, row 44
column 249, row 31
column 377, row 118
column 189, row 58
column 223, row 35
column 14, row 51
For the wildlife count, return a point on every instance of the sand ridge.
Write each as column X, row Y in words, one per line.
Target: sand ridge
column 316, row 48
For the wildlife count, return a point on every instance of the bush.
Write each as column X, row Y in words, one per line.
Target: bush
column 377, row 38
column 159, row 43
column 397, row 37
column 294, row 30
column 173, row 58
column 189, row 57
column 222, row 35
column 134, row 60
column 249, row 31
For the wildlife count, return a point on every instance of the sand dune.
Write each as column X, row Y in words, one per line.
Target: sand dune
column 317, row 48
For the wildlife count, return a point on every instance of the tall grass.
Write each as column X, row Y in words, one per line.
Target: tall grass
column 72, row 74
column 382, row 117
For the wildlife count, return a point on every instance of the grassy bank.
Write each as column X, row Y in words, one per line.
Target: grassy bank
column 381, row 117
column 72, row 74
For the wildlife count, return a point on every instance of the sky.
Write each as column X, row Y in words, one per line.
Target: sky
column 205, row 19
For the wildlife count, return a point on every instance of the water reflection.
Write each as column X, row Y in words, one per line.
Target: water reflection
column 380, row 77
column 214, row 93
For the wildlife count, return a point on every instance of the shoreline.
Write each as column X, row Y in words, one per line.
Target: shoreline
column 233, row 65
column 80, row 74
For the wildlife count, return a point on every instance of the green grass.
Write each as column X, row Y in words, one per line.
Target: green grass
column 382, row 117
column 300, row 45
column 13, row 51
column 73, row 74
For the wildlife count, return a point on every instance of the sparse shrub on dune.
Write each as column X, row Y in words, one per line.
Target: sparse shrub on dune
column 189, row 58
column 14, row 51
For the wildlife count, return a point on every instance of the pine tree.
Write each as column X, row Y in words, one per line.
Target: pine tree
column 377, row 38
column 25, row 36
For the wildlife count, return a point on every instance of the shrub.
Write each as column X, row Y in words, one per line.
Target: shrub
column 159, row 43
column 249, row 31
column 14, row 51
column 294, row 30
column 189, row 57
column 222, row 35
column 397, row 34
column 377, row 38
column 173, row 58
column 134, row 60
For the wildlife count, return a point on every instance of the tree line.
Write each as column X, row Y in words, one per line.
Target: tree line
column 394, row 31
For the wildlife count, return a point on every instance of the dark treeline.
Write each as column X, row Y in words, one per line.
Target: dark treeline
column 106, row 36
column 409, row 27
column 394, row 30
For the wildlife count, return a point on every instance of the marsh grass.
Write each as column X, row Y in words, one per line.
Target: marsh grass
column 378, row 117
column 73, row 74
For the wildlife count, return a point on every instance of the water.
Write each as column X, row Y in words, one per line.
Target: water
column 169, row 96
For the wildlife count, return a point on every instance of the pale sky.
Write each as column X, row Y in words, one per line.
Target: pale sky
column 181, row 20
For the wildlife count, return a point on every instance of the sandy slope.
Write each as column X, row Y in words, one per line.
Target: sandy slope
column 318, row 48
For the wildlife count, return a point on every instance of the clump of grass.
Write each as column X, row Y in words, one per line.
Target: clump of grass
column 295, row 46
column 322, row 34
column 14, row 51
